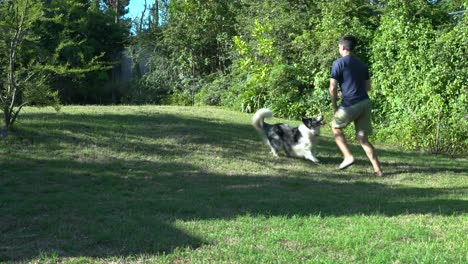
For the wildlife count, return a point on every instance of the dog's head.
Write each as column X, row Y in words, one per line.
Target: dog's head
column 314, row 123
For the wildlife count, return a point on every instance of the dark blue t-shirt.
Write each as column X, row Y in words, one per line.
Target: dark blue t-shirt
column 351, row 74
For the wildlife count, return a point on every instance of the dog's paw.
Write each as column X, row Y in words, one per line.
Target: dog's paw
column 313, row 159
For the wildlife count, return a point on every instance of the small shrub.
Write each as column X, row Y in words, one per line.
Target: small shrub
column 213, row 91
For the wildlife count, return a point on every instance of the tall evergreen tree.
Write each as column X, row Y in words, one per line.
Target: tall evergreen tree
column 89, row 31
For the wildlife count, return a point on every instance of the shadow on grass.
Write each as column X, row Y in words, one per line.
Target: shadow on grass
column 123, row 206
column 133, row 133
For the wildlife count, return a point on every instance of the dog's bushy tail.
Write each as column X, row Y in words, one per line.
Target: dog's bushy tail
column 259, row 116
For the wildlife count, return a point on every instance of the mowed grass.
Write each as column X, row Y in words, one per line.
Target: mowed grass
column 165, row 184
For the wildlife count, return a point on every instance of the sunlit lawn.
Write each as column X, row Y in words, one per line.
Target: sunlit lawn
column 197, row 185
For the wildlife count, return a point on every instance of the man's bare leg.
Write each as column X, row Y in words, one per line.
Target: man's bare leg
column 343, row 146
column 370, row 152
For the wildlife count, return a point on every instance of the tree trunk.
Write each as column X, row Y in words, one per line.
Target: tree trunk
column 11, row 90
column 7, row 118
column 156, row 13
column 116, row 11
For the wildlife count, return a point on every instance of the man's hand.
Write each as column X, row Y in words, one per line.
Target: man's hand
column 368, row 85
column 333, row 93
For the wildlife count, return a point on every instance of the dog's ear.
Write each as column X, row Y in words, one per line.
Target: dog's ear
column 308, row 122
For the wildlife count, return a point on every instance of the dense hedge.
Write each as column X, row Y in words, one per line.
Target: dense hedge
column 419, row 76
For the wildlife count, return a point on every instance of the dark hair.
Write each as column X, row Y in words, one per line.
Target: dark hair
column 348, row 42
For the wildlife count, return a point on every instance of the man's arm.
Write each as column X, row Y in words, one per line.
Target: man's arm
column 368, row 85
column 333, row 93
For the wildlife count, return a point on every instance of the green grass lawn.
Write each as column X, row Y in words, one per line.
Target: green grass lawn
column 160, row 184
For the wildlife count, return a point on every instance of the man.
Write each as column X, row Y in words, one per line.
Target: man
column 353, row 77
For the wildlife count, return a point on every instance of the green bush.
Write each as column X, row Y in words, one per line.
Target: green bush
column 419, row 74
column 146, row 91
column 291, row 98
column 213, row 90
column 251, row 69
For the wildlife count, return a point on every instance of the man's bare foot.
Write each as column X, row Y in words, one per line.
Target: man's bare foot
column 346, row 163
column 379, row 173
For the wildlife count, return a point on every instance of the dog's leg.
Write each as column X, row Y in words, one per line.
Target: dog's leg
column 289, row 152
column 286, row 151
column 308, row 155
column 273, row 150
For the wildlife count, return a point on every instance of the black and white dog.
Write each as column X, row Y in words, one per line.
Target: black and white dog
column 295, row 141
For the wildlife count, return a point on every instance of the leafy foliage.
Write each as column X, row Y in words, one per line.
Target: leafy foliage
column 213, row 90
column 284, row 54
column 192, row 45
column 57, row 49
column 85, row 36
column 418, row 73
column 21, row 66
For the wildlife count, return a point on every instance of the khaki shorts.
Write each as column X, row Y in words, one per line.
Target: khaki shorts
column 360, row 113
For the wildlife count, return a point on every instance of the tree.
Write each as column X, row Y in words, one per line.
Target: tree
column 53, row 44
column 198, row 34
column 83, row 31
column 25, row 84
column 190, row 43
column 118, row 6
column 149, row 53
column 264, row 66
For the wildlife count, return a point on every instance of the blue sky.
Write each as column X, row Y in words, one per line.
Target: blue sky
column 135, row 7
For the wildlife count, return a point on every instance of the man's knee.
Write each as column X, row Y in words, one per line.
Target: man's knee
column 337, row 131
column 365, row 144
column 363, row 139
